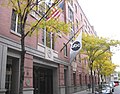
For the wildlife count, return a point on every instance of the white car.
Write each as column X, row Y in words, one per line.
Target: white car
column 106, row 89
column 112, row 85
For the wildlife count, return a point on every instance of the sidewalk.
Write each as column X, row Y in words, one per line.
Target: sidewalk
column 84, row 92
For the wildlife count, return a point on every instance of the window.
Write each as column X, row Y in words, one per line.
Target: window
column 75, row 8
column 70, row 20
column 42, row 6
column 71, row 31
column 53, row 40
column 80, row 79
column 70, row 14
column 15, row 23
column 61, row 5
column 81, row 17
column 86, row 79
column 65, row 50
column 85, row 61
column 71, row 2
column 85, row 23
column 79, row 58
column 43, row 37
column 77, row 23
column 74, row 79
column 48, row 39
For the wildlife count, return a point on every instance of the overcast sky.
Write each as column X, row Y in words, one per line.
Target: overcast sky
column 104, row 15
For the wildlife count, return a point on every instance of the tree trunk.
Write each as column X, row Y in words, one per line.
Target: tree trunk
column 98, row 78
column 22, row 66
column 102, row 79
column 92, row 79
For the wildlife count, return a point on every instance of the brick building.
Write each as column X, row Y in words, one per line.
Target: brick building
column 47, row 70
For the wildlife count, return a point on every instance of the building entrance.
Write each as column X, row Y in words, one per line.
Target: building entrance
column 42, row 80
column 12, row 75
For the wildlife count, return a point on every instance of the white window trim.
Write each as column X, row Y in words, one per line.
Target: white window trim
column 16, row 22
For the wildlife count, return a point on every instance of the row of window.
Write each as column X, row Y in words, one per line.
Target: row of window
column 48, row 38
column 70, row 13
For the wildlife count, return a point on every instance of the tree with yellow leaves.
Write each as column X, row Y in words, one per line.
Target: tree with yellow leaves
column 94, row 46
column 104, row 66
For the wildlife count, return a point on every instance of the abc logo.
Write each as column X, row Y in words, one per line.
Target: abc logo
column 76, row 45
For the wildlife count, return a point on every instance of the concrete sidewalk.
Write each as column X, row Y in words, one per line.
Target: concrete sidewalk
column 84, row 92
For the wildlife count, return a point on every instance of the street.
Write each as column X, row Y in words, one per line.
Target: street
column 117, row 90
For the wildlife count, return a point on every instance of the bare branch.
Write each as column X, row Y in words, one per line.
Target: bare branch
column 24, row 12
column 33, row 28
column 101, row 53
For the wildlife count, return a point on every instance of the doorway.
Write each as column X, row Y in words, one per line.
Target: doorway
column 12, row 75
column 42, row 80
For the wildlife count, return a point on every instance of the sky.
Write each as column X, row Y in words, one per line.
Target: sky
column 104, row 15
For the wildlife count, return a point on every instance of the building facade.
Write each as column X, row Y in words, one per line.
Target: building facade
column 47, row 70
column 114, row 77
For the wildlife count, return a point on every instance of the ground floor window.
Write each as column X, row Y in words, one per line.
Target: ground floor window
column 74, row 79
column 80, row 79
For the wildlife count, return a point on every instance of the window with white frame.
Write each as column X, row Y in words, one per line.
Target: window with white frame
column 15, row 23
column 75, row 8
column 70, row 20
column 70, row 14
column 81, row 18
column 65, row 50
column 77, row 23
column 42, row 6
column 71, row 2
column 48, row 39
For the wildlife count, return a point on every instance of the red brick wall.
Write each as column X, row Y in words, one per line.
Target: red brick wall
column 28, row 68
column 5, row 24
column 61, row 75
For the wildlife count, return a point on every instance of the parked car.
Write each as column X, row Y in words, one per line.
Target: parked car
column 116, row 83
column 112, row 85
column 105, row 89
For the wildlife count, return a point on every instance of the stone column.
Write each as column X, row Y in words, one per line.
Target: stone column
column 3, row 60
column 69, row 83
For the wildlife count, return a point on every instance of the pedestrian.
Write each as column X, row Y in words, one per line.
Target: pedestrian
column 89, row 86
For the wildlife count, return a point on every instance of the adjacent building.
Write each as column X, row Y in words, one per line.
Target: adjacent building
column 47, row 69
column 114, row 76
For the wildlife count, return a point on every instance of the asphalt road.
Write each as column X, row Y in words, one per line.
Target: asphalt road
column 117, row 90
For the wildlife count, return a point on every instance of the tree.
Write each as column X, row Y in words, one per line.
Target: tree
column 94, row 47
column 24, row 8
column 99, row 62
column 119, row 74
column 104, row 66
column 108, row 68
